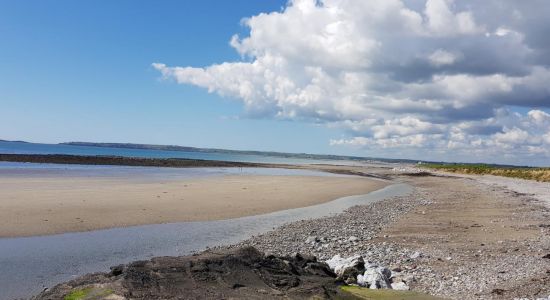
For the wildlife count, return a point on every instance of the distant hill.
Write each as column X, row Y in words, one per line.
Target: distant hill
column 245, row 152
column 14, row 141
column 136, row 146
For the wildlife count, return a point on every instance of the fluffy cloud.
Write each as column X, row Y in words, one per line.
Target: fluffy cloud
column 439, row 78
column 442, row 57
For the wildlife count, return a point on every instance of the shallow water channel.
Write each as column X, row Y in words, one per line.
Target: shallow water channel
column 29, row 264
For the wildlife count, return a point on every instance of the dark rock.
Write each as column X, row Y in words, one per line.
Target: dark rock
column 239, row 273
column 237, row 285
column 318, row 269
column 498, row 291
column 305, row 257
column 397, row 269
column 117, row 270
column 350, row 274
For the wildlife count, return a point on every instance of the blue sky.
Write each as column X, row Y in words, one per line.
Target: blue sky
column 431, row 79
column 81, row 70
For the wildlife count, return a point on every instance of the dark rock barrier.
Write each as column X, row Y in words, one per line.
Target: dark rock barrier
column 243, row 273
column 123, row 161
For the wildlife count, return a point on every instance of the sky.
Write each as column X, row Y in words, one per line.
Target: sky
column 421, row 79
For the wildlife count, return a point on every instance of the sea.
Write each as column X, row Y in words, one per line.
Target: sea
column 9, row 147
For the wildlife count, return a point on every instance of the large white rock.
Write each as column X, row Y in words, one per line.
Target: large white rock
column 339, row 264
column 400, row 286
column 375, row 277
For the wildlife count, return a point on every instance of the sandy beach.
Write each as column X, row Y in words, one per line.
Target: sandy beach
column 50, row 205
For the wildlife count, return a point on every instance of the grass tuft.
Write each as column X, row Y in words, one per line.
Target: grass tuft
column 88, row 293
column 78, row 294
column 385, row 294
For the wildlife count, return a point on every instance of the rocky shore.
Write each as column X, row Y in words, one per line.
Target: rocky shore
column 345, row 234
column 454, row 238
column 244, row 273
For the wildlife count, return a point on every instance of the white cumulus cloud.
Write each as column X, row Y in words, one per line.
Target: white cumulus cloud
column 442, row 57
column 436, row 79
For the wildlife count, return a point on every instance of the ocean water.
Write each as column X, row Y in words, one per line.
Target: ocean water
column 35, row 148
column 140, row 174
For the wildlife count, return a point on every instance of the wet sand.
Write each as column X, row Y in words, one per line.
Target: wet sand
column 30, row 264
column 48, row 205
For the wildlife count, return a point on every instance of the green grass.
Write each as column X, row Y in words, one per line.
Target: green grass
column 538, row 174
column 89, row 293
column 78, row 294
column 385, row 294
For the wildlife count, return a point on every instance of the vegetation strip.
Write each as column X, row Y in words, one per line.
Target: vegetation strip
column 538, row 174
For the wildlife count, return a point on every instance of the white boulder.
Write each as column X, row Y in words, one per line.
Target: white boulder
column 339, row 264
column 375, row 277
column 400, row 286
